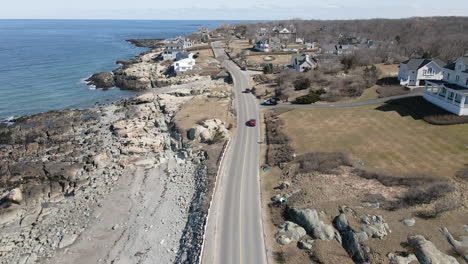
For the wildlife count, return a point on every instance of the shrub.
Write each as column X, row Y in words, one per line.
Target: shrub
column 349, row 62
column 370, row 75
column 425, row 194
column 307, row 99
column 301, row 83
column 439, row 208
column 324, row 162
column 268, row 68
column 422, row 189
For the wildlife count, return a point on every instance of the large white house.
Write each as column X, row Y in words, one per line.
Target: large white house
column 302, row 61
column 415, row 72
column 267, row 44
column 184, row 64
column 450, row 93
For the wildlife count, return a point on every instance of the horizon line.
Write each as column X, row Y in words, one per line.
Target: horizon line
column 240, row 20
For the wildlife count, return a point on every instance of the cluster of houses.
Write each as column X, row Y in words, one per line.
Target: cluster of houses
column 445, row 85
column 276, row 38
column 175, row 50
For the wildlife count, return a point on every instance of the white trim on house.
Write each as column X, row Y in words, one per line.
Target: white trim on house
column 414, row 71
column 452, row 100
column 450, row 93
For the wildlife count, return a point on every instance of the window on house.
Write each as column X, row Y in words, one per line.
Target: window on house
column 466, row 82
column 425, row 72
column 443, row 92
column 457, row 78
column 448, row 76
column 458, row 98
column 450, row 96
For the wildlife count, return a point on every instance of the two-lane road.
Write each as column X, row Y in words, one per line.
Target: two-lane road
column 234, row 230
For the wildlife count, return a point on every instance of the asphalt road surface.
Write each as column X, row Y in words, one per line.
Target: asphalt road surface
column 234, row 230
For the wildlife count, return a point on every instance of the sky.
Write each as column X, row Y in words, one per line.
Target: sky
column 228, row 10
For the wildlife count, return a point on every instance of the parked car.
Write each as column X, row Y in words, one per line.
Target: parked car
column 243, row 68
column 247, row 90
column 271, row 101
column 251, row 123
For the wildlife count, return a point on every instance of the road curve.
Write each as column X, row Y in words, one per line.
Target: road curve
column 234, row 232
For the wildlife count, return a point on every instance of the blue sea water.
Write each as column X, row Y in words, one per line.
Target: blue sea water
column 43, row 62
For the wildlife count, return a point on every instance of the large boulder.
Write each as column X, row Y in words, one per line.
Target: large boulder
column 461, row 247
column 103, row 80
column 289, row 232
column 427, row 253
column 351, row 241
column 311, row 222
column 209, row 131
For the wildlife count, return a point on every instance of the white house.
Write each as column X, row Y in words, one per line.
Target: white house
column 262, row 45
column 450, row 93
column 414, row 72
column 184, row 64
column 302, row 61
column 267, row 45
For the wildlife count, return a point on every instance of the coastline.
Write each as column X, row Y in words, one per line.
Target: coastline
column 59, row 170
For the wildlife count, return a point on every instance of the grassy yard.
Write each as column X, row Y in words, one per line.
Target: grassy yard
column 277, row 59
column 381, row 139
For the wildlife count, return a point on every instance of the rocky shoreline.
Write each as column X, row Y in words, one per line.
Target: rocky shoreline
column 57, row 168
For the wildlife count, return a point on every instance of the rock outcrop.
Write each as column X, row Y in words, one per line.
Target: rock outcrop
column 289, row 232
column 461, row 247
column 427, row 253
column 147, row 43
column 351, row 241
column 208, row 131
column 310, row 221
column 104, row 80
column 374, row 226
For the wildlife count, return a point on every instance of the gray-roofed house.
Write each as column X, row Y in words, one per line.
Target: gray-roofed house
column 172, row 49
column 450, row 93
column 415, row 72
column 302, row 61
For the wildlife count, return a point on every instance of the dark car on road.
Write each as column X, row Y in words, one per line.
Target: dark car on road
column 247, row 90
column 251, row 123
column 271, row 101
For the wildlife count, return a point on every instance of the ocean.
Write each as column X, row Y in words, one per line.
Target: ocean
column 43, row 63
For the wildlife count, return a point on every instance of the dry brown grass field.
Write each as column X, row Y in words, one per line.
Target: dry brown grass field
column 382, row 140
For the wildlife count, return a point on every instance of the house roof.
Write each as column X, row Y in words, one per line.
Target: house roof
column 175, row 45
column 416, row 64
column 302, row 57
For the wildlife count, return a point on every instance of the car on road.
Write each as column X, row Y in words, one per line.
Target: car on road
column 247, row 90
column 243, row 68
column 271, row 101
column 251, row 123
